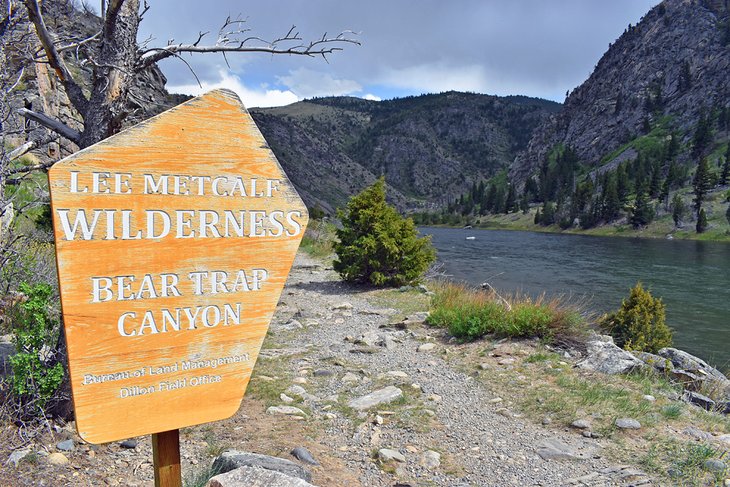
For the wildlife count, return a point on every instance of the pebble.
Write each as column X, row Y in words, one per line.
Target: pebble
column 387, row 455
column 397, row 374
column 649, row 397
column 627, row 424
column 17, row 456
column 350, row 377
column 286, row 399
column 430, row 459
column 303, row 455
column 57, row 459
column 130, row 443
column 285, row 410
column 300, row 380
column 342, row 306
column 426, row 347
column 495, row 400
column 506, row 361
column 581, row 424
column 65, row 445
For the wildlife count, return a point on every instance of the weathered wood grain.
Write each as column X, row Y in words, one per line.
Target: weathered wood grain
column 209, row 137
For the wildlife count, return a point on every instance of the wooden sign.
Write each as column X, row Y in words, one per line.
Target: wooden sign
column 173, row 240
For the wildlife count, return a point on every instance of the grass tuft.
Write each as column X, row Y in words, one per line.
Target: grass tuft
column 470, row 314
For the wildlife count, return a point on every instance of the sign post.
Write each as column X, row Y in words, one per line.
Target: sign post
column 173, row 241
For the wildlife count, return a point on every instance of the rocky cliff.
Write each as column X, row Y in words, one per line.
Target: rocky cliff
column 670, row 69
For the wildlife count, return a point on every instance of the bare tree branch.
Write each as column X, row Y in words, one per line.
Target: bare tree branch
column 54, row 125
column 27, row 169
column 76, row 45
column 233, row 41
column 73, row 90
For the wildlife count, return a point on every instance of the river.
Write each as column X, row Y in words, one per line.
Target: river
column 691, row 277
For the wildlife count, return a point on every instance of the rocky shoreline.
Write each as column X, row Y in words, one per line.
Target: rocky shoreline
column 368, row 395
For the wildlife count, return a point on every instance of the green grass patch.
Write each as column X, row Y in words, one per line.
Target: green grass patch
column 683, row 463
column 319, row 239
column 470, row 314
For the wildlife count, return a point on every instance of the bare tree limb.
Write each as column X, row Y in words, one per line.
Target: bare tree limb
column 78, row 44
column 22, row 150
column 54, row 125
column 232, row 41
column 27, row 169
column 73, row 90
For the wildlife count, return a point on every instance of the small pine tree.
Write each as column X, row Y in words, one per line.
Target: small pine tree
column 640, row 323
column 701, row 184
column 727, row 215
column 377, row 245
column 725, row 174
column 643, row 213
column 678, row 209
column 701, row 221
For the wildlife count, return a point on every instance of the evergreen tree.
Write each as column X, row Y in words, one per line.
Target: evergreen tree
column 678, row 209
column 701, row 221
column 623, row 185
column 640, row 324
column 655, row 185
column 548, row 214
column 727, row 214
column 538, row 217
column 701, row 184
column 672, row 146
column 642, row 213
column 524, row 203
column 490, row 199
column 377, row 245
column 702, row 137
column 611, row 202
column 725, row 174
column 511, row 202
column 664, row 193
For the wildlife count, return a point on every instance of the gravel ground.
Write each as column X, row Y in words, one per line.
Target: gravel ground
column 481, row 442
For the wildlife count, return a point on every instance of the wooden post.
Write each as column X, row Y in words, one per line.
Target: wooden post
column 166, row 458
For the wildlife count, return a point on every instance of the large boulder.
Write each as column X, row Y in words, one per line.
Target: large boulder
column 255, row 477
column 602, row 355
column 685, row 361
column 232, row 460
column 697, row 375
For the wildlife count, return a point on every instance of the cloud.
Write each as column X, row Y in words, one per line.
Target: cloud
column 437, row 77
column 307, row 83
column 251, row 97
column 372, row 97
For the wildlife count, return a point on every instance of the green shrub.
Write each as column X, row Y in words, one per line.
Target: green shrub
column 34, row 378
column 640, row 324
column 377, row 245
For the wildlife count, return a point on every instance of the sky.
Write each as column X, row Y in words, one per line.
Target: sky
column 539, row 48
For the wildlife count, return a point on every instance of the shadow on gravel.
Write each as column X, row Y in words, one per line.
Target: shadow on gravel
column 331, row 287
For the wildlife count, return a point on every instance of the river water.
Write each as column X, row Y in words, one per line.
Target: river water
column 692, row 278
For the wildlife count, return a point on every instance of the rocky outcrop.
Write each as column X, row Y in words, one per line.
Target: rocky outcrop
column 602, row 355
column 255, row 477
column 232, row 460
column 673, row 63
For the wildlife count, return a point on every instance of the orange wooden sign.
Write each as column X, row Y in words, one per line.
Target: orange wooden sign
column 173, row 240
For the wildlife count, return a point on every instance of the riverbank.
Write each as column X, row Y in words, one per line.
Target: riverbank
column 661, row 228
column 487, row 413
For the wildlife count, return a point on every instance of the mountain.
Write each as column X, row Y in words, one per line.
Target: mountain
column 430, row 148
column 667, row 74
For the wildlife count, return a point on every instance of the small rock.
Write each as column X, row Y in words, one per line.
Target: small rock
column 130, row 443
column 495, row 400
column 397, row 374
column 484, row 366
column 57, row 459
column 649, row 397
column 434, row 398
column 300, row 380
column 330, row 415
column 714, row 465
column 416, row 387
column 387, row 455
column 627, row 424
column 378, row 419
column 430, row 459
column 17, row 456
column 350, row 377
column 504, row 412
column 66, row 445
column 342, row 306
column 547, row 420
column 303, row 455
column 381, row 396
column 286, row 399
column 426, row 347
column 506, row 361
column 285, row 410
column 581, row 424
column 323, row 373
